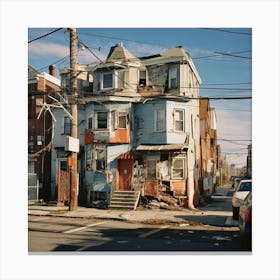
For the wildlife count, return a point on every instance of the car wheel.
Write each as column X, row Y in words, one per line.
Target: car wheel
column 235, row 213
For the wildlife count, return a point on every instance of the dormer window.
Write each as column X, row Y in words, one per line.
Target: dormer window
column 107, row 81
column 142, row 77
column 173, row 79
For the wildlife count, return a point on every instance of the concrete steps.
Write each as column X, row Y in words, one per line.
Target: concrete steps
column 124, row 200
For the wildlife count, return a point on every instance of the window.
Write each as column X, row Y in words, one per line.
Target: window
column 151, row 168
column 67, row 126
column 172, row 82
column 100, row 156
column 107, row 80
column 122, row 120
column 101, row 120
column 90, row 123
column 178, row 166
column 159, row 120
column 89, row 157
column 179, row 120
column 143, row 78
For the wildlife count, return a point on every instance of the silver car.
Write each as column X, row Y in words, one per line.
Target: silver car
column 241, row 192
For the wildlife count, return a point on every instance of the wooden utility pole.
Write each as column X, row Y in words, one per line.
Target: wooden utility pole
column 74, row 128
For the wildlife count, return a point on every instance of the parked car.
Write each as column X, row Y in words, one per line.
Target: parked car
column 245, row 223
column 236, row 182
column 241, row 192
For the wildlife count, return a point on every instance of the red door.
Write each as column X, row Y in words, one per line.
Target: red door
column 125, row 168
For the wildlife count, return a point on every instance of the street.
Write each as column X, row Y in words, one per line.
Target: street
column 212, row 232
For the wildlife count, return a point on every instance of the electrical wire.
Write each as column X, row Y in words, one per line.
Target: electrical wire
column 228, row 31
column 45, row 35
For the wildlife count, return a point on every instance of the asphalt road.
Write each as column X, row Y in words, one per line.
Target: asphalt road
column 56, row 234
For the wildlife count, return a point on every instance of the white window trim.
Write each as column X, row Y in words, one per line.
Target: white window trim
column 156, row 119
column 114, row 80
column 174, row 121
column 170, row 77
column 96, row 121
column 172, row 167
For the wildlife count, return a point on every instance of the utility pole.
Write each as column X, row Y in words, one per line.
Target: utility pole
column 74, row 112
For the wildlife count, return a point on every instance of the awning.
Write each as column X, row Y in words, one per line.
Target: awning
column 162, row 147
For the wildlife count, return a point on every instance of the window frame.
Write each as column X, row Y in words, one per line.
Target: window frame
column 183, row 159
column 96, row 126
column 175, row 121
column 142, row 78
column 157, row 120
column 149, row 177
column 171, row 77
column 112, row 73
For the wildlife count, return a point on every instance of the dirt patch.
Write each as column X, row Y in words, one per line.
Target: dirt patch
column 168, row 221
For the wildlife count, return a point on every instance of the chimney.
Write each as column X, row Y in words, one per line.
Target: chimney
column 52, row 70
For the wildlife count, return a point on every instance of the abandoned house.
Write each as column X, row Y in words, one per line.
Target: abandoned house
column 139, row 130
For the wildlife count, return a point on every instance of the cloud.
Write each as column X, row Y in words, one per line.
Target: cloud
column 48, row 49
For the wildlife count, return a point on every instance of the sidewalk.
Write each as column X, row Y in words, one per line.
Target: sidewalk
column 183, row 215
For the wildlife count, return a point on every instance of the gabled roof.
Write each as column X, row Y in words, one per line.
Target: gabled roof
column 119, row 53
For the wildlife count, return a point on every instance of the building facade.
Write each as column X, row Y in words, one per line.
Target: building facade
column 138, row 125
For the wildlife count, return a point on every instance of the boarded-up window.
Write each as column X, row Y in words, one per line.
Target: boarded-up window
column 179, row 120
column 178, row 168
column 89, row 157
column 151, row 169
column 159, row 120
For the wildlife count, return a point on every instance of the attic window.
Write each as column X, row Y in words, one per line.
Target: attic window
column 172, row 81
column 143, row 78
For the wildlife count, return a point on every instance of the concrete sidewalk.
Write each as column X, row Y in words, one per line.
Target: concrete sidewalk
column 206, row 216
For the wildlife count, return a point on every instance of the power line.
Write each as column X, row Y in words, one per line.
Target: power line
column 229, row 54
column 228, row 31
column 220, row 53
column 45, row 35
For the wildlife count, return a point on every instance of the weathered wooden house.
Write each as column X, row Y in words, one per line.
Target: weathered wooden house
column 139, row 128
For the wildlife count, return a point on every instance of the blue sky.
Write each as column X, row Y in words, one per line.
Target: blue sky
column 222, row 75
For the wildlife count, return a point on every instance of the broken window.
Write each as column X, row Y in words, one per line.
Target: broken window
column 143, row 78
column 159, row 120
column 178, row 168
column 89, row 157
column 172, row 82
column 178, row 120
column 122, row 120
column 101, row 120
column 100, row 157
column 151, row 168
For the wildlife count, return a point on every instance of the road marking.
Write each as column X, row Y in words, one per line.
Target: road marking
column 82, row 228
column 40, row 219
column 144, row 235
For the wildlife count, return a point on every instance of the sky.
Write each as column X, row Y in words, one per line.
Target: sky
column 222, row 56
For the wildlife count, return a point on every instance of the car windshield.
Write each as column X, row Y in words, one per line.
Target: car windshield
column 245, row 186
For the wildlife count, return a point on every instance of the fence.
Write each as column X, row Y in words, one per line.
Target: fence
column 33, row 187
